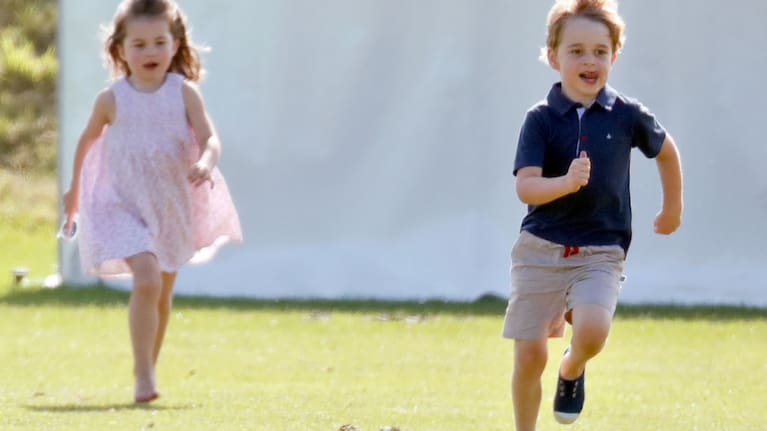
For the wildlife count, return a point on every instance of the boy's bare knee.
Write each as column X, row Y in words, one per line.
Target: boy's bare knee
column 589, row 345
column 592, row 321
column 530, row 356
column 590, row 339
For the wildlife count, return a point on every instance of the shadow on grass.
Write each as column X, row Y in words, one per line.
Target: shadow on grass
column 487, row 305
column 105, row 408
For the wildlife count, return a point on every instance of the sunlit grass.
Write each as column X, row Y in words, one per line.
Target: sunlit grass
column 317, row 365
column 27, row 224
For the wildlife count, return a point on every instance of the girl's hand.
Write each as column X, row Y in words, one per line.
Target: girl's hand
column 579, row 172
column 199, row 174
column 71, row 201
column 666, row 222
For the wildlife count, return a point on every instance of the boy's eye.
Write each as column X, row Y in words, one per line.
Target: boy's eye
column 575, row 51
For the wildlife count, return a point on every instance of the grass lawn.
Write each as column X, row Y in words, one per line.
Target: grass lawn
column 317, row 365
column 27, row 224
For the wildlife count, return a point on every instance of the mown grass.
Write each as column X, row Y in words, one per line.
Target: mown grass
column 317, row 365
column 27, row 223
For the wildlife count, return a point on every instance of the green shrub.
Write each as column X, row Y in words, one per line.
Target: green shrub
column 28, row 69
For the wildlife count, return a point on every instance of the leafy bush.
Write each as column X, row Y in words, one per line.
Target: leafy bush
column 28, row 68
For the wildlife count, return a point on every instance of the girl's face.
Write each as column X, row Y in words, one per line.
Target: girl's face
column 584, row 58
column 148, row 49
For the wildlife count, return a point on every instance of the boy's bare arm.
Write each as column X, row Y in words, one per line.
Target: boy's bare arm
column 670, row 170
column 535, row 189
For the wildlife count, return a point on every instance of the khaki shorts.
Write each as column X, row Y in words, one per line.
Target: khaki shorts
column 548, row 279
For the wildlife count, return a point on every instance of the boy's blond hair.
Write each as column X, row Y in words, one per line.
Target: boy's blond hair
column 604, row 11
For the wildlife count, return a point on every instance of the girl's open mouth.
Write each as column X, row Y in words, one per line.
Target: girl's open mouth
column 150, row 66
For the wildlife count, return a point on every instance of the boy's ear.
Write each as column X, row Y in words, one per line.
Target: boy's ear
column 614, row 57
column 552, row 57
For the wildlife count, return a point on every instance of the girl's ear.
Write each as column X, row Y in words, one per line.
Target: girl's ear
column 552, row 56
column 176, row 44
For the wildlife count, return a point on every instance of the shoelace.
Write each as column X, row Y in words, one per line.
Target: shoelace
column 563, row 389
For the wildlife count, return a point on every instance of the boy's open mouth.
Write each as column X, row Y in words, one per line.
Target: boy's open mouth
column 590, row 77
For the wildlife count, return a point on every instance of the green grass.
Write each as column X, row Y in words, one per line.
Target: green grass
column 27, row 223
column 232, row 364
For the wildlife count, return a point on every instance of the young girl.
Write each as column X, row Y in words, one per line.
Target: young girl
column 144, row 180
column 572, row 168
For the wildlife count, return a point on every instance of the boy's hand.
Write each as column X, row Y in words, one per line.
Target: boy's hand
column 579, row 172
column 666, row 222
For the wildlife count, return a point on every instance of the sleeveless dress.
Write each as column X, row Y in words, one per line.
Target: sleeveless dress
column 134, row 193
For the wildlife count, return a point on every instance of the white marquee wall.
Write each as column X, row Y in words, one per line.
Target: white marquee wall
column 369, row 143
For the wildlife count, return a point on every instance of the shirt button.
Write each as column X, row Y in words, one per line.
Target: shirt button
column 584, row 138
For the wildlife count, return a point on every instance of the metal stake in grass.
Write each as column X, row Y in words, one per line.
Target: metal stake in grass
column 19, row 274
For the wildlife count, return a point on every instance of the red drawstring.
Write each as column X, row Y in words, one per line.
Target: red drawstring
column 571, row 250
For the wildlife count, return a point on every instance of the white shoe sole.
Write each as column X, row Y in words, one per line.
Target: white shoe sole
column 566, row 418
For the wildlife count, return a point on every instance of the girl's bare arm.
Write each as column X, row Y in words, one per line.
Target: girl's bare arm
column 102, row 114
column 210, row 147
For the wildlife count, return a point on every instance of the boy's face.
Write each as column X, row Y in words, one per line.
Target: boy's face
column 584, row 58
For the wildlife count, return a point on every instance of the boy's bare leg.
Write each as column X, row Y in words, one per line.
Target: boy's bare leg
column 143, row 320
column 591, row 324
column 166, row 302
column 529, row 362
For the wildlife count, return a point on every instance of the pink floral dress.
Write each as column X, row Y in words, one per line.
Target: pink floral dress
column 134, row 193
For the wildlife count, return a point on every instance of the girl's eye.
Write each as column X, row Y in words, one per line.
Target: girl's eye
column 575, row 51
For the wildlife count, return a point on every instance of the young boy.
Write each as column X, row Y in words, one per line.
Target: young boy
column 572, row 169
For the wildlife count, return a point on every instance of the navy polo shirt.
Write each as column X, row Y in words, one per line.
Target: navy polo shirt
column 553, row 135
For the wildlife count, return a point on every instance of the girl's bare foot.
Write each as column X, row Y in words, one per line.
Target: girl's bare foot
column 145, row 391
column 147, row 399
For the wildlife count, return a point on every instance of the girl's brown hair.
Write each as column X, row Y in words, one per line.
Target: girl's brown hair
column 604, row 11
column 187, row 58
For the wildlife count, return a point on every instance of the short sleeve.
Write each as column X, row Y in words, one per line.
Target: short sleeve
column 648, row 134
column 532, row 136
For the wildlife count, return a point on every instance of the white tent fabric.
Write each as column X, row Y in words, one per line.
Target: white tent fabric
column 368, row 143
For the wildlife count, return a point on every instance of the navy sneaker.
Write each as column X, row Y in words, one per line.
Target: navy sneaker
column 568, row 401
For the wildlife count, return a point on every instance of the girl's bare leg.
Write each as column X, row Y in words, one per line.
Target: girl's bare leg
column 166, row 302
column 143, row 320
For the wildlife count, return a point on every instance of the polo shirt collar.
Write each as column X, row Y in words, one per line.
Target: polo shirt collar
column 557, row 99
